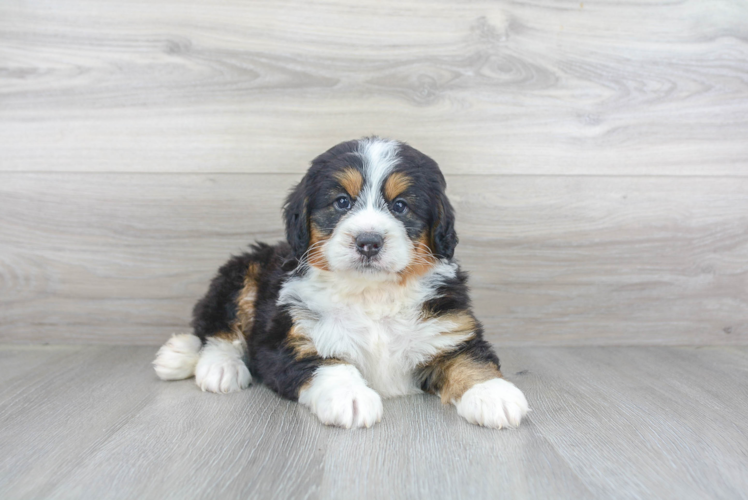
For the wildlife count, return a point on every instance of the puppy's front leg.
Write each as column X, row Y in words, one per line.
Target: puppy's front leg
column 493, row 403
column 338, row 395
column 333, row 390
column 476, row 387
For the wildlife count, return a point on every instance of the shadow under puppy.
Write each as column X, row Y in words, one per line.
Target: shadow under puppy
column 362, row 302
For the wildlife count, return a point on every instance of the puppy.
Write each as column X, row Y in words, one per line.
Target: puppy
column 363, row 301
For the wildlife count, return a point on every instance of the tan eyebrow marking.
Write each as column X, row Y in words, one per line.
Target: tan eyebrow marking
column 351, row 180
column 396, row 184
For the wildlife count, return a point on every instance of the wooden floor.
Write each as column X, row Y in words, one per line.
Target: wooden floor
column 607, row 422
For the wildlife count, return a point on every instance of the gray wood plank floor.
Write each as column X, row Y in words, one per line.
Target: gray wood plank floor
column 607, row 422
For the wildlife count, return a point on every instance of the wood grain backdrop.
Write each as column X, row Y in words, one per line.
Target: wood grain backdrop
column 597, row 154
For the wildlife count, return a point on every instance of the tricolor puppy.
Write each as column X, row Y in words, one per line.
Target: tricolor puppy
column 362, row 302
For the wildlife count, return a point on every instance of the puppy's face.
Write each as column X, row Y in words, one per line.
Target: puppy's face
column 372, row 207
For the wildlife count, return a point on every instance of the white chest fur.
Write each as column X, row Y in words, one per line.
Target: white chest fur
column 376, row 326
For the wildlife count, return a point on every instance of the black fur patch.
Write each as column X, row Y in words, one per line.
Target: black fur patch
column 216, row 312
column 453, row 295
column 275, row 364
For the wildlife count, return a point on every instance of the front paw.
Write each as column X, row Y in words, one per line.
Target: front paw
column 494, row 403
column 338, row 395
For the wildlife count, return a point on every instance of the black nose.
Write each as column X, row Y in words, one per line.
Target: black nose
column 369, row 244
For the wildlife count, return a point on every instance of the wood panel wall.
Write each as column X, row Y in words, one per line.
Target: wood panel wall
column 596, row 152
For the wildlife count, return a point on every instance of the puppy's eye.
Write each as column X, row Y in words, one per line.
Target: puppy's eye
column 343, row 203
column 399, row 207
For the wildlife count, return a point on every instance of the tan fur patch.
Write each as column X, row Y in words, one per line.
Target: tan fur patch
column 230, row 335
column 316, row 257
column 333, row 361
column 246, row 300
column 351, row 180
column 461, row 372
column 245, row 307
column 301, row 345
column 464, row 323
column 423, row 260
column 396, row 184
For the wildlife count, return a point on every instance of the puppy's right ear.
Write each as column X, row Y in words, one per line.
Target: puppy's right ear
column 297, row 219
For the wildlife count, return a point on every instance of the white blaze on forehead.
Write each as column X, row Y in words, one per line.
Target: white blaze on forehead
column 371, row 214
column 379, row 157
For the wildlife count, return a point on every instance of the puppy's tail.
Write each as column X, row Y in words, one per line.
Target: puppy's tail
column 177, row 358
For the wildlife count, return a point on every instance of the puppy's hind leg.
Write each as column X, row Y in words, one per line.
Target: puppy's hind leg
column 217, row 367
column 224, row 319
column 221, row 366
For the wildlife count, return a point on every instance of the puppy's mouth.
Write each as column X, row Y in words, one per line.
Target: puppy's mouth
column 366, row 264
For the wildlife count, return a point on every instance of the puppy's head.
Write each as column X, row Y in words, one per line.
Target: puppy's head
column 373, row 207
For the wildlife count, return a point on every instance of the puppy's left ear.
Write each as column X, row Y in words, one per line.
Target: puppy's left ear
column 297, row 219
column 443, row 232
